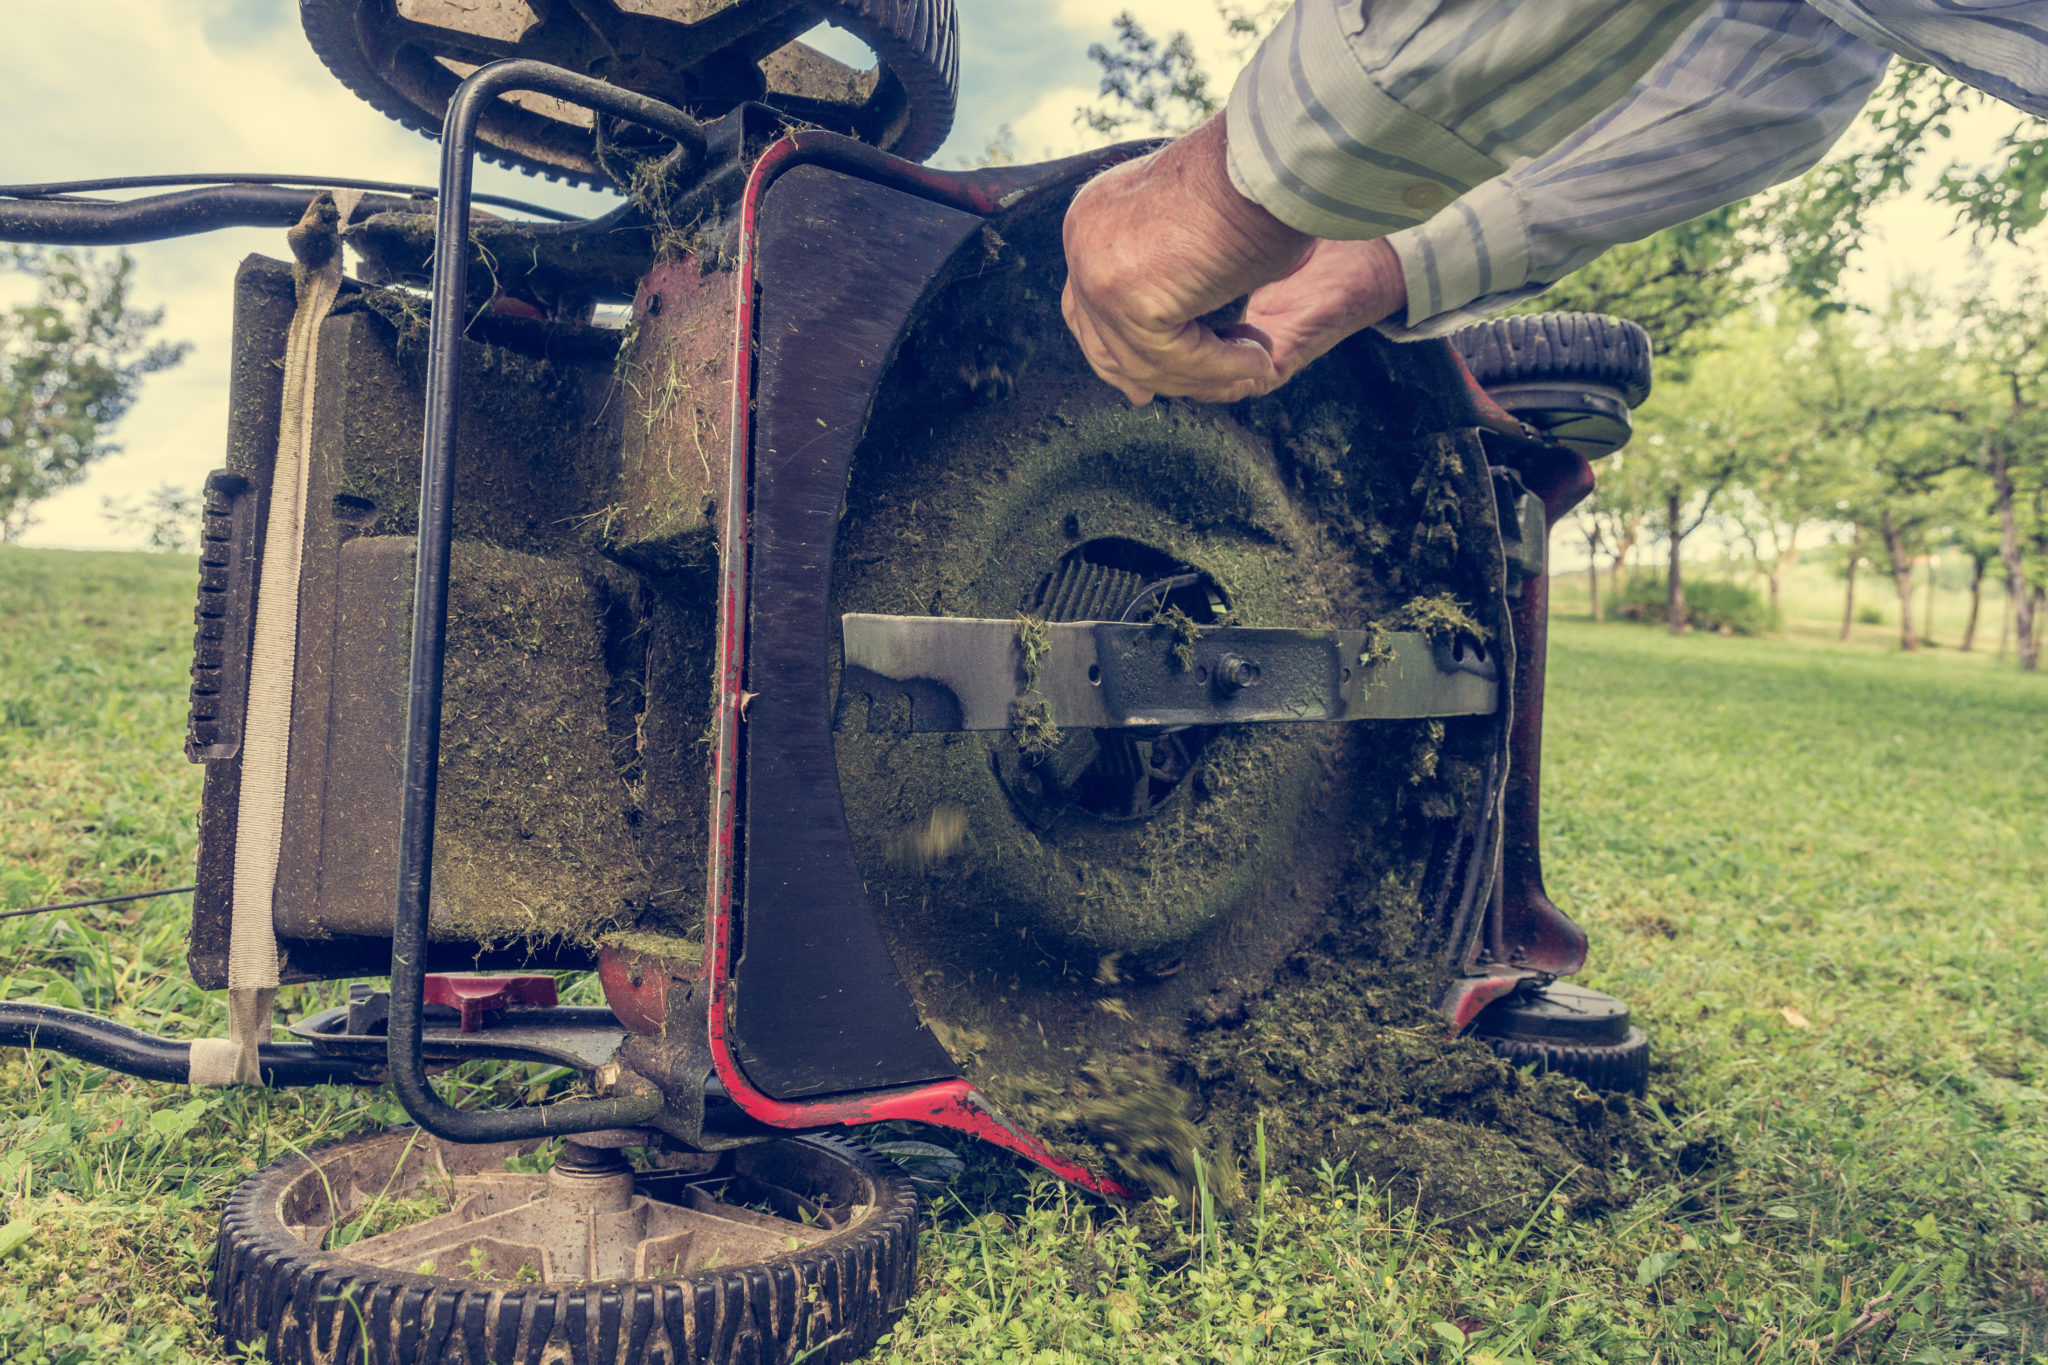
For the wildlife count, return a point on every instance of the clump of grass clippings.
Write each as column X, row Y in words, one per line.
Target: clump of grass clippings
column 1031, row 720
column 1441, row 617
column 1033, row 644
column 1033, row 727
column 1379, row 647
column 1184, row 632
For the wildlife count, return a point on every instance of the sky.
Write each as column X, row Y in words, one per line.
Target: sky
column 127, row 87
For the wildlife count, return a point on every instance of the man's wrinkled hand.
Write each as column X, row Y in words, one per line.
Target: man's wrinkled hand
column 1337, row 289
column 1152, row 247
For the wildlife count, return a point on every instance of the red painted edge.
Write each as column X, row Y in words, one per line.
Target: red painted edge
column 1466, row 996
column 954, row 1104
column 1485, row 412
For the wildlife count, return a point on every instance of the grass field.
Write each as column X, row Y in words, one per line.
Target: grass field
column 1817, row 873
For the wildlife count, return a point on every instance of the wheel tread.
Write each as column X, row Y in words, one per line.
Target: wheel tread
column 271, row 1290
column 916, row 40
column 1623, row 1066
column 1585, row 347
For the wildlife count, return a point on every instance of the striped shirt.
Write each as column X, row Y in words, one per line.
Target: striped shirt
column 1500, row 145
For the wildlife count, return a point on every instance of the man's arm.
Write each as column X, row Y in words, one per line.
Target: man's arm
column 1999, row 46
column 1753, row 96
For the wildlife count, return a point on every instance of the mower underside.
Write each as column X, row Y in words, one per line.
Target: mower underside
column 1152, row 706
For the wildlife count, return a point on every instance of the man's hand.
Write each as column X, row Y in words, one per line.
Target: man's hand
column 1156, row 243
column 1337, row 289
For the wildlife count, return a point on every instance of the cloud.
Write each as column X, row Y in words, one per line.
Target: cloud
column 1048, row 130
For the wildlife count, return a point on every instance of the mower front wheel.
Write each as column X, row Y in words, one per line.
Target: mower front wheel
column 399, row 1248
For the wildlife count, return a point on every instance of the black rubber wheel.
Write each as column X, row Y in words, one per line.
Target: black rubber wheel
column 828, row 1300
column 744, row 50
column 1536, row 348
column 1624, row 1067
column 1576, row 1032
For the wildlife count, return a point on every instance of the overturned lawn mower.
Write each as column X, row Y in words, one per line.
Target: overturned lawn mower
column 902, row 726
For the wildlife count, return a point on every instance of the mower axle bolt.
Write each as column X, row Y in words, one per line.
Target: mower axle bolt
column 1235, row 673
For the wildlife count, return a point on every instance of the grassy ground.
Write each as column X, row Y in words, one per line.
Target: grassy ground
column 1816, row 872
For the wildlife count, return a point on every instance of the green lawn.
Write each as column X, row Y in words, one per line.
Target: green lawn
column 1817, row 873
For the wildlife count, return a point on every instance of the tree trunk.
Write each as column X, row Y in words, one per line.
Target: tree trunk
column 2015, row 565
column 1616, row 571
column 1674, row 584
column 1927, row 612
column 1902, row 579
column 1849, row 577
column 1976, row 602
column 1592, row 538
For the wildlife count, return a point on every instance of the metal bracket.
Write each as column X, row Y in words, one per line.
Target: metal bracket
column 580, row 1037
column 1524, row 528
column 959, row 673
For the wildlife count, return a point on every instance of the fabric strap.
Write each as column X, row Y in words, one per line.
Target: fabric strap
column 266, row 730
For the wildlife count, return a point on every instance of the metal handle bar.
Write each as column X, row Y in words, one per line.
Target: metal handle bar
column 430, row 604
column 55, row 214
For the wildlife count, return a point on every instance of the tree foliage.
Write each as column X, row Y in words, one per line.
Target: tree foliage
column 1149, row 85
column 72, row 361
column 1676, row 283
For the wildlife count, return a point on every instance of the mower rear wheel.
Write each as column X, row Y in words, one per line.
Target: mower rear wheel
column 1569, row 1029
column 1575, row 377
column 405, row 58
column 1587, row 348
column 800, row 1248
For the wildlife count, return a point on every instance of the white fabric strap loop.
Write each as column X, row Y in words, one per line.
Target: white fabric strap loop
column 266, row 731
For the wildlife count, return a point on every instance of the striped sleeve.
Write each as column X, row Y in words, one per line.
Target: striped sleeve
column 1753, row 94
column 1999, row 46
column 1356, row 118
column 1326, row 149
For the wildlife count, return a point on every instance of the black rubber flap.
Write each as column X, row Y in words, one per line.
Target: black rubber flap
column 819, row 1005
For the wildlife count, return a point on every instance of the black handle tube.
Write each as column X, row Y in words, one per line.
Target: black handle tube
column 430, row 606
column 133, row 1052
column 90, row 222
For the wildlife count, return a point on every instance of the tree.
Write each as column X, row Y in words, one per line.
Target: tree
column 1820, row 221
column 1703, row 433
column 1790, row 485
column 166, row 518
column 1611, row 520
column 2004, row 400
column 1977, row 541
column 72, row 361
column 1158, row 85
column 1676, row 284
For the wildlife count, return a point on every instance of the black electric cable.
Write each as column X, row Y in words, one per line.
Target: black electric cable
column 57, row 189
column 430, row 605
column 98, row 900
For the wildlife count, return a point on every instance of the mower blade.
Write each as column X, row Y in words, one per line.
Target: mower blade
column 958, row 673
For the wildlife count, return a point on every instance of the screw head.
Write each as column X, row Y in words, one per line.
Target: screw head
column 1234, row 673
